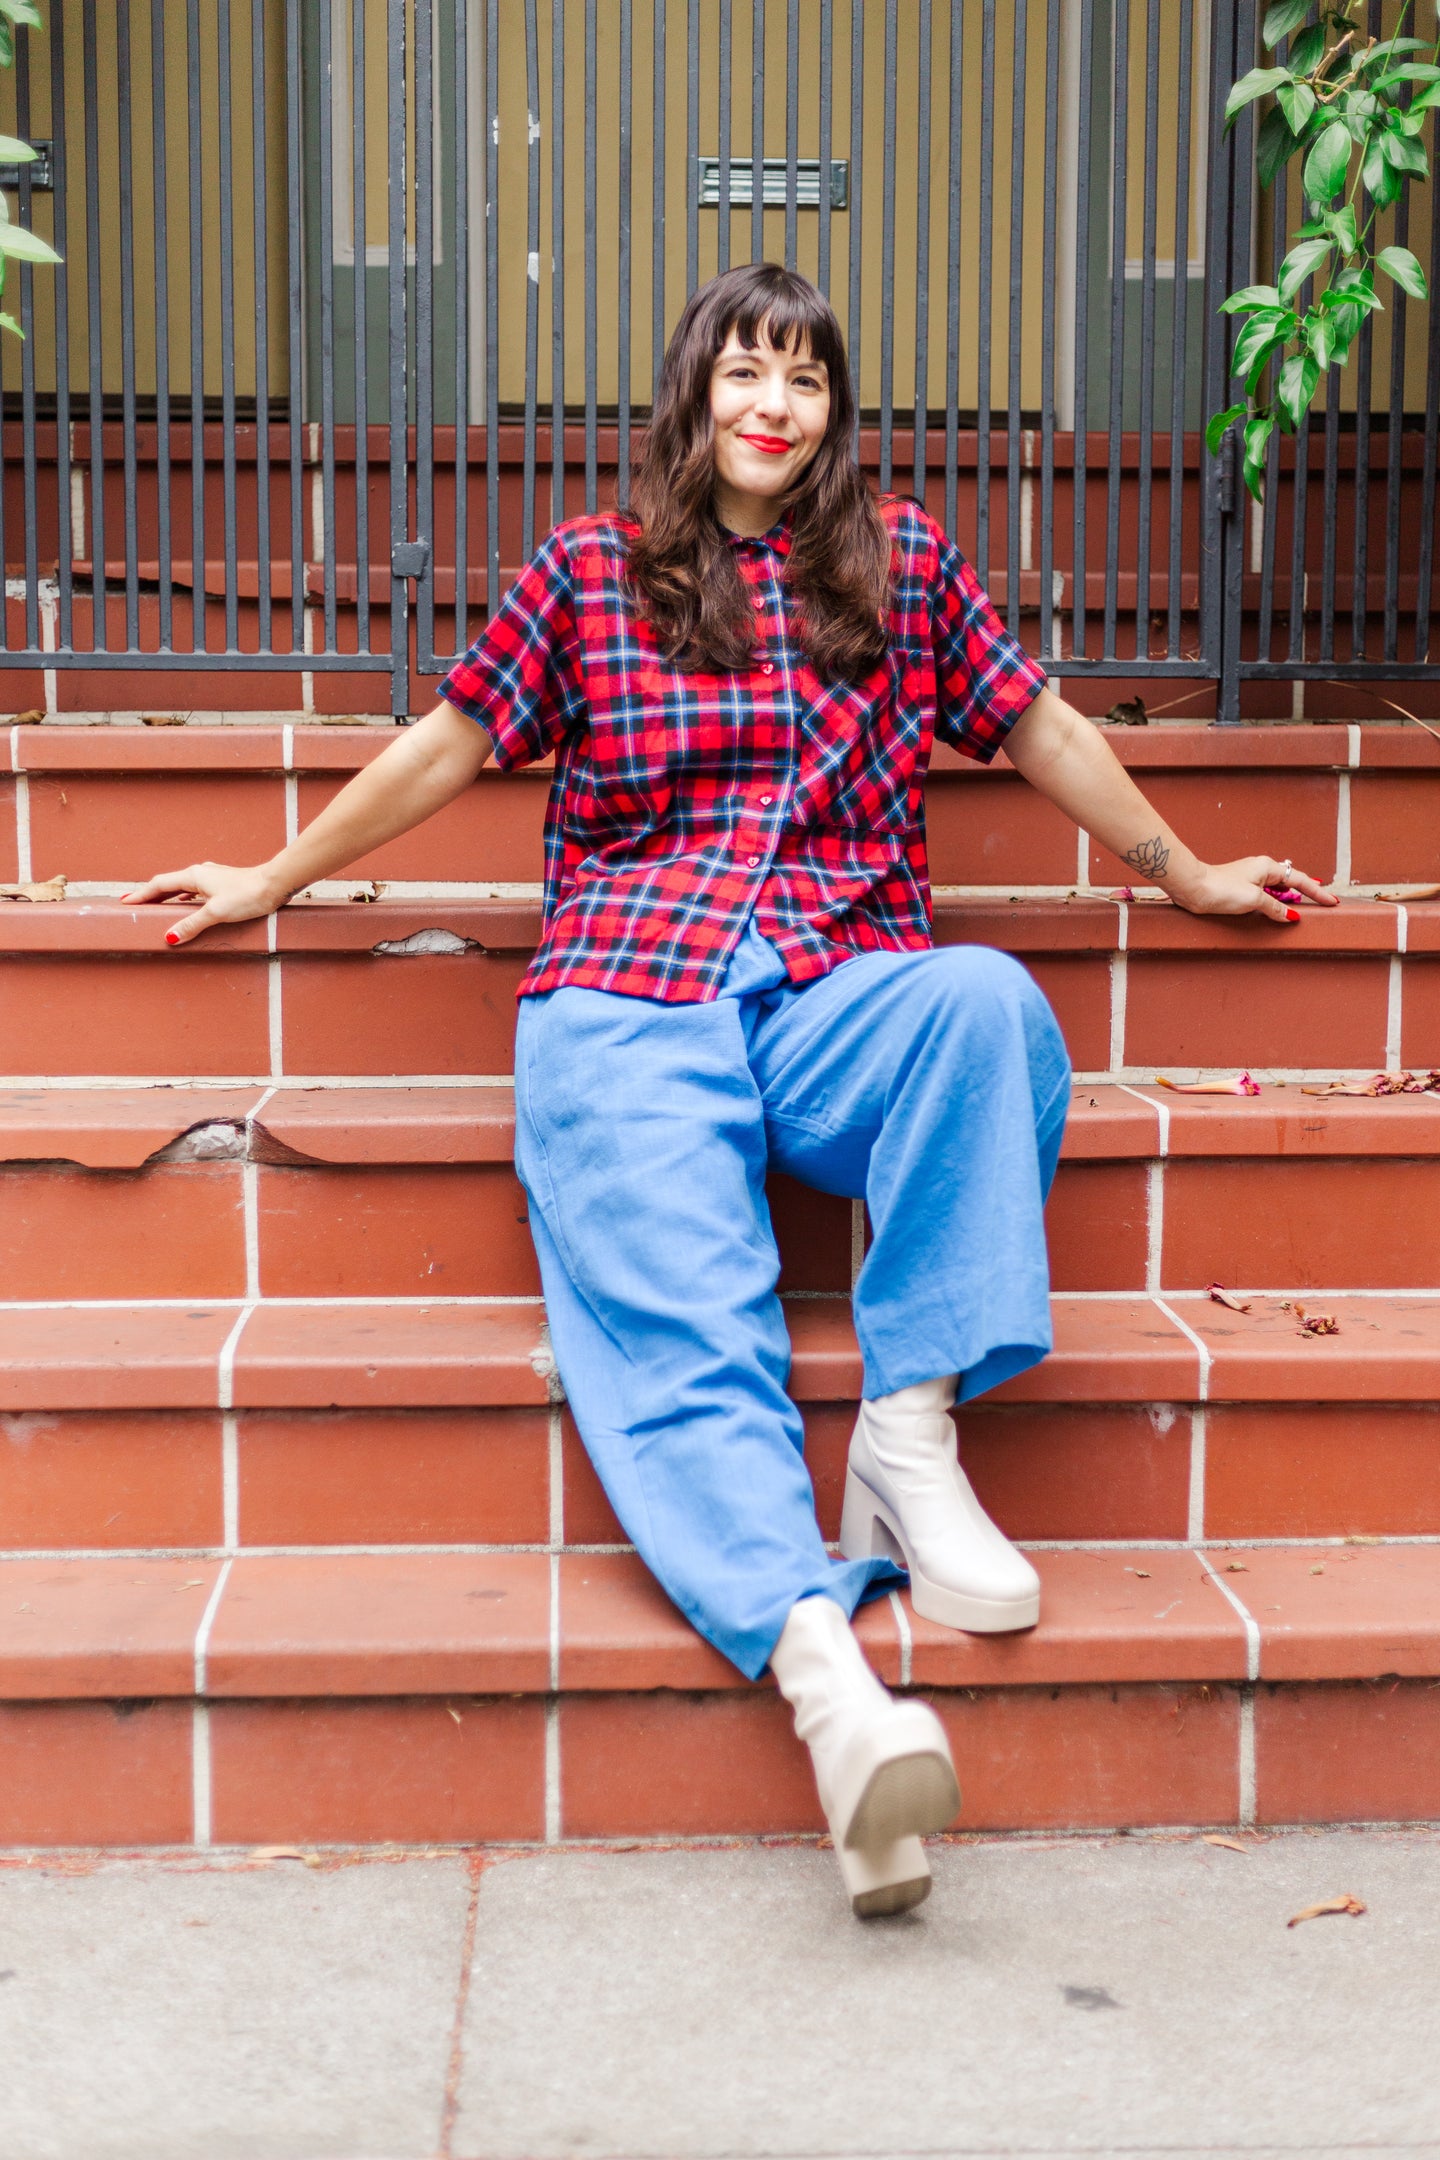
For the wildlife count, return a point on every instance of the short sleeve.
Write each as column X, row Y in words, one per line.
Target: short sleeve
column 984, row 678
column 520, row 679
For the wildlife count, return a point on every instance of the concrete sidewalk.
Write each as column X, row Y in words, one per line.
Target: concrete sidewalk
column 1127, row 1995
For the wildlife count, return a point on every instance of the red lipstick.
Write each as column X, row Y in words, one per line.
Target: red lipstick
column 774, row 444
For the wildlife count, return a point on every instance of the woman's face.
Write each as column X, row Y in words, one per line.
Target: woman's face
column 770, row 410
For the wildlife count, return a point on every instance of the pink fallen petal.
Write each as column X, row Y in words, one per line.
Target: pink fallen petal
column 1242, row 1084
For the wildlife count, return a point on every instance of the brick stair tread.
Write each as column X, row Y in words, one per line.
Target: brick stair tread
column 480, row 1622
column 1025, row 923
column 123, row 1128
column 312, row 747
column 361, row 1353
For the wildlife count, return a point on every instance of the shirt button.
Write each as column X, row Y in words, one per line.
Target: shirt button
column 767, row 669
column 752, row 862
column 759, row 600
column 766, row 801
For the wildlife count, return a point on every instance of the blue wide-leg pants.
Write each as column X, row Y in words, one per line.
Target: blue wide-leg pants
column 933, row 1085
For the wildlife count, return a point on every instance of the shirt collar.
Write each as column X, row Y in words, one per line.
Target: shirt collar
column 777, row 539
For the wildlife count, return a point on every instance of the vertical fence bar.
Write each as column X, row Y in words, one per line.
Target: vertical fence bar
column 757, row 131
column 326, row 88
column 1394, row 444
column 460, row 152
column 1236, row 254
column 887, row 255
column 1119, row 182
column 227, row 318
column 857, row 234
column 953, row 207
column 360, row 233
column 692, row 147
column 129, row 446
column 1271, row 507
column 592, row 346
column 395, row 115
column 1359, row 597
column 65, row 628
column 492, row 300
column 532, row 276
column 95, row 327
column 557, row 255
column 1299, row 523
column 827, row 123
column 922, row 252
column 722, row 213
column 792, row 130
column 1147, row 328
column 424, row 21
column 1179, row 329
column 27, row 361
column 294, row 274
column 1332, row 497
column 260, row 225
column 1015, row 317
column 1081, row 415
column 985, row 309
column 657, row 195
column 622, row 341
column 1048, row 624
column 1430, row 456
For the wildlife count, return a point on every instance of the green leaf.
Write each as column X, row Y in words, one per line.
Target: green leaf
column 27, row 246
column 1296, row 386
column 1318, row 332
column 1258, row 431
column 1275, row 143
column 1302, row 262
column 1261, row 336
column 1426, row 99
column 1341, row 223
column 15, row 152
column 1378, row 53
column 8, row 322
column 1297, row 102
column 1246, row 302
column 1328, row 162
column 1251, row 86
column 1307, row 49
column 1281, row 17
column 23, row 12
column 1405, row 154
column 1398, row 263
column 7, row 45
column 1413, row 71
column 1219, row 422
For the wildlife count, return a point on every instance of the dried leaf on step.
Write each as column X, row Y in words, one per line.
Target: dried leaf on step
column 1317, row 1323
column 1410, row 892
column 162, row 719
column 1241, row 1084
column 32, row 718
column 1227, row 1297
column 1347, row 1904
column 1231, row 1844
column 266, row 1853
column 370, row 891
column 1129, row 712
column 341, row 719
column 1236, row 1567
column 35, row 889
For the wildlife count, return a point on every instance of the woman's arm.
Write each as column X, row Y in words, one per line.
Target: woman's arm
column 1067, row 758
column 421, row 771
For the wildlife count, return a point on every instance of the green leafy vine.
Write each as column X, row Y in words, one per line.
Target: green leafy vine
column 17, row 242
column 1356, row 108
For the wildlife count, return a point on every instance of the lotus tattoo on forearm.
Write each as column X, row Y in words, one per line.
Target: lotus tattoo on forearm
column 1148, row 858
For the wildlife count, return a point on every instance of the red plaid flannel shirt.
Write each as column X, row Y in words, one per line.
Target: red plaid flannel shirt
column 683, row 802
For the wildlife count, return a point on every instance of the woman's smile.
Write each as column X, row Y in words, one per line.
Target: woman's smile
column 775, row 445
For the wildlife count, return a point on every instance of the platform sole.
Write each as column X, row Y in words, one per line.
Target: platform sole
column 871, row 1530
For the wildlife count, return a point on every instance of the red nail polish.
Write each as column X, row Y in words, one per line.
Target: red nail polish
column 172, row 937
column 1292, row 914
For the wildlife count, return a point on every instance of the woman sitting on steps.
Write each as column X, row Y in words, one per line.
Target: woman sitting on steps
column 740, row 681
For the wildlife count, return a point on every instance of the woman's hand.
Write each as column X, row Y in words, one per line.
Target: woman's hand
column 228, row 894
column 1256, row 885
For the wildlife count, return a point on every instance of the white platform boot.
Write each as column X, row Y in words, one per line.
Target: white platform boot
column 906, row 1497
column 882, row 1768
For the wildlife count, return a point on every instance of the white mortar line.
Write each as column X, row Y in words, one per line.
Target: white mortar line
column 1154, row 1223
column 225, row 1369
column 1342, row 832
column 1118, row 983
column 557, row 1475
column 857, row 1240
column 1162, row 1113
column 24, row 864
column 200, row 1794
column 1352, row 745
column 230, row 1478
column 207, row 1622
column 1395, row 993
column 1202, row 1348
column 907, row 1639
column 1247, row 1756
column 1082, row 858
column 1195, row 1506
column 273, row 989
column 250, row 1209
column 554, row 1679
column 1252, row 1625
column 14, row 749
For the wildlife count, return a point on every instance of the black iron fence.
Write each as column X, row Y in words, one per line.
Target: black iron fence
column 360, row 295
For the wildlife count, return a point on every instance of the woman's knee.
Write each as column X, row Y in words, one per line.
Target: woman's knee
column 979, row 983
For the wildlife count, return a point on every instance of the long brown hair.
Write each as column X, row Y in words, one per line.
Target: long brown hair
column 682, row 568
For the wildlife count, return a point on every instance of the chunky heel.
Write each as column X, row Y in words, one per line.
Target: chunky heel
column 865, row 1533
column 888, row 1879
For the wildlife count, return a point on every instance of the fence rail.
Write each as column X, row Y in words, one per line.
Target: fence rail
column 360, row 296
